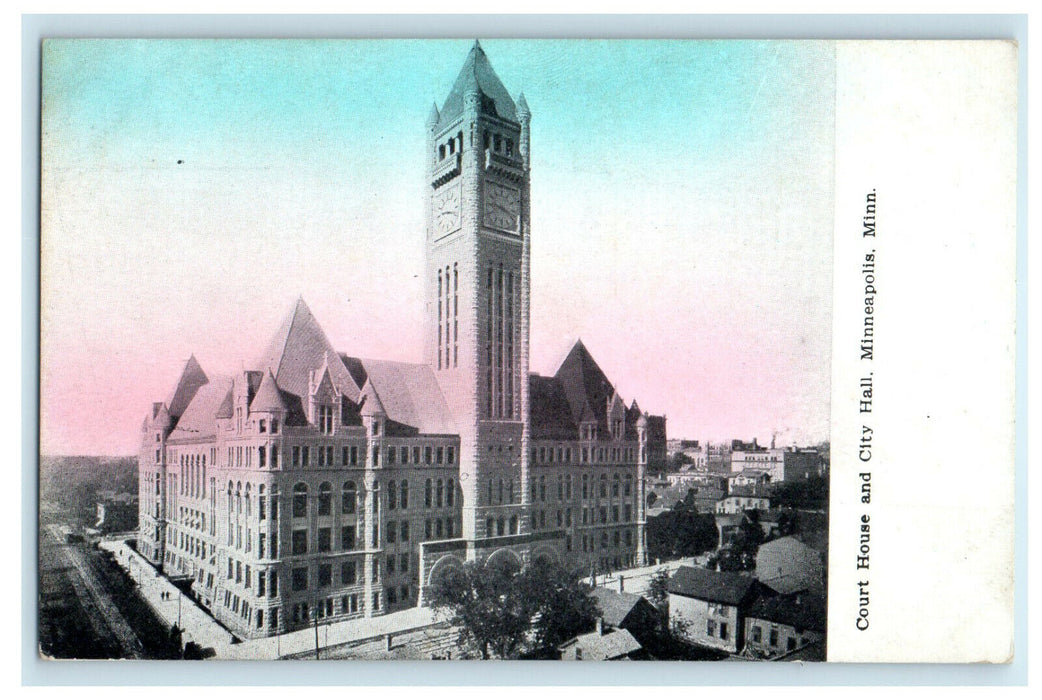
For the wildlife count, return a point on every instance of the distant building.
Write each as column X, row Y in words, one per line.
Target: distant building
column 117, row 512
column 740, row 504
column 756, row 478
column 802, row 464
column 709, row 606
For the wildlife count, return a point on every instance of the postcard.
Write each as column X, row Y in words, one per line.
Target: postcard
column 527, row 349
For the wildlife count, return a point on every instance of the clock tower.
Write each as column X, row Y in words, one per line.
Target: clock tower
column 477, row 295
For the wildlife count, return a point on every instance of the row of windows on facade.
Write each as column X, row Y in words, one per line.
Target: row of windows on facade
column 491, row 141
column 587, row 486
column 563, row 455
column 756, row 634
column 499, row 344
column 444, row 307
column 589, row 517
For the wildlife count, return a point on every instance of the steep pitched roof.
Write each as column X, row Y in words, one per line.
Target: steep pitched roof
column 192, row 377
column 585, row 384
column 299, row 346
column 595, row 646
column 788, row 566
column 268, row 397
column 551, row 416
column 198, row 420
column 408, row 392
column 615, row 606
column 477, row 74
column 725, row 587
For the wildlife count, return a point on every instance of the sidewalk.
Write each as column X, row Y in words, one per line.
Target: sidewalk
column 197, row 624
column 201, row 628
column 637, row 580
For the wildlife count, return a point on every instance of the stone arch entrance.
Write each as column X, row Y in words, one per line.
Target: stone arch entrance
column 505, row 556
column 545, row 552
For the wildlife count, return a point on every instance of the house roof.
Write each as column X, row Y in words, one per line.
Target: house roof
column 787, row 565
column 804, row 612
column 600, row 647
column 549, row 410
column 716, row 586
column 478, row 76
column 615, row 605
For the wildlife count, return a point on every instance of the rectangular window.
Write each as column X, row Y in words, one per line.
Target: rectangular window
column 376, row 455
column 450, row 454
column 305, row 457
column 300, row 542
column 347, row 537
column 757, row 634
column 325, row 539
column 300, row 579
column 404, row 531
column 403, row 563
column 261, row 540
column 392, row 532
column 325, row 575
column 723, row 631
column 774, row 637
column 348, row 574
column 296, row 455
column 390, row 564
column 710, row 628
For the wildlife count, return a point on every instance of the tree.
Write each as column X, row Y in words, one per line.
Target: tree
column 500, row 609
column 492, row 611
column 658, row 591
column 565, row 608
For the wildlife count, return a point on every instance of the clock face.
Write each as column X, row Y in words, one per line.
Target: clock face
column 447, row 210
column 502, row 207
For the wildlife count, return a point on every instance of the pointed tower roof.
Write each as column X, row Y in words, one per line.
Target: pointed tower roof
column 522, row 106
column 192, row 377
column 478, row 76
column 584, row 384
column 434, row 116
column 299, row 346
column 371, row 404
column 268, row 397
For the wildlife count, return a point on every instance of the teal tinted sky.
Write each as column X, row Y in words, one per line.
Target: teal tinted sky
column 682, row 216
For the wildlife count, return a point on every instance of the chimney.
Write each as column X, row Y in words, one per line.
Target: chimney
column 600, row 625
column 622, row 583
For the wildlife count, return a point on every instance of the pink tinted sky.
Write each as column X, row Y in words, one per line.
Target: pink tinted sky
column 682, row 218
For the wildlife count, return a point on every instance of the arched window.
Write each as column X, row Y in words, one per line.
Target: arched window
column 403, row 494
column 604, row 485
column 615, row 485
column 510, row 490
column 238, row 498
column 500, row 527
column 300, row 500
column 627, row 487
column 427, row 494
column 325, row 498
column 513, row 524
column 230, row 508
column 439, row 494
column 500, row 492
column 392, row 495
column 450, row 493
column 248, row 509
column 347, row 498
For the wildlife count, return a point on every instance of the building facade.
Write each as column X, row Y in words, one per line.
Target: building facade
column 320, row 485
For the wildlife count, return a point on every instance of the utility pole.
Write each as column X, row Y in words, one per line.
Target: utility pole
column 316, row 633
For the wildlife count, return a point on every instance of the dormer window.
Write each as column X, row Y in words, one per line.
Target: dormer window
column 376, row 428
column 262, row 426
column 325, row 420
